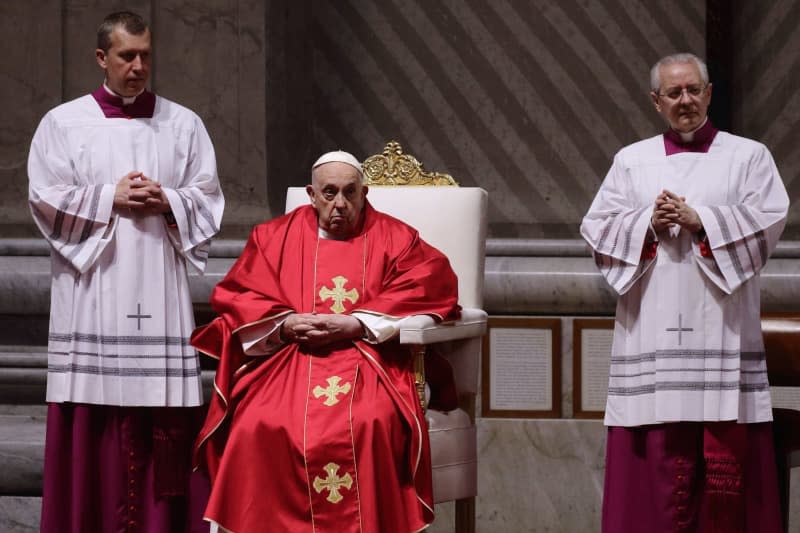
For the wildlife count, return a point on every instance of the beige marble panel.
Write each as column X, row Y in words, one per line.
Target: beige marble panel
column 540, row 475
column 20, row 514
column 21, row 453
column 444, row 522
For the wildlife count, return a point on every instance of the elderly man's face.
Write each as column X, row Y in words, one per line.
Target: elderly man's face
column 683, row 98
column 127, row 62
column 338, row 195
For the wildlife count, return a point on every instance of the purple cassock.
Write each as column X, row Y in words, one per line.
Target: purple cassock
column 659, row 479
column 131, row 463
column 691, row 477
column 130, row 466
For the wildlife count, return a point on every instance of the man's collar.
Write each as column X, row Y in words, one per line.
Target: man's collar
column 114, row 106
column 126, row 100
column 689, row 136
column 699, row 140
column 325, row 235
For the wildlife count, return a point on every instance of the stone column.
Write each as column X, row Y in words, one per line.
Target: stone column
column 209, row 57
column 30, row 84
column 290, row 91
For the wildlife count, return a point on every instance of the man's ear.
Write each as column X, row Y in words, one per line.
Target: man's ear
column 654, row 97
column 365, row 190
column 311, row 195
column 100, row 57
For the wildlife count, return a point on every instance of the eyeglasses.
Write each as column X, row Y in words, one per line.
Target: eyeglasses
column 674, row 94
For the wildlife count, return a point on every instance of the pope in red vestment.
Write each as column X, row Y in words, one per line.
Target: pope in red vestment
column 316, row 424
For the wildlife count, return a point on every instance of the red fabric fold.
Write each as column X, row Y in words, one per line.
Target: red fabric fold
column 649, row 250
column 705, row 248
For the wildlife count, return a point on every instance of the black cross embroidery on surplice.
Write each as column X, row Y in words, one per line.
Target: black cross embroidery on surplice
column 139, row 316
column 680, row 329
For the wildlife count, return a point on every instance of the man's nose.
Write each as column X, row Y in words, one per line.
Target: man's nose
column 137, row 62
column 685, row 98
column 339, row 201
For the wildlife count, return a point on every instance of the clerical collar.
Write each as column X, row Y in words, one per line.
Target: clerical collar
column 325, row 235
column 699, row 140
column 114, row 106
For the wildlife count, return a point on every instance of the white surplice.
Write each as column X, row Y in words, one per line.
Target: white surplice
column 121, row 312
column 687, row 339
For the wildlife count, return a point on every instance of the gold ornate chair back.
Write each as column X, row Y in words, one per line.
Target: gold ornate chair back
column 393, row 167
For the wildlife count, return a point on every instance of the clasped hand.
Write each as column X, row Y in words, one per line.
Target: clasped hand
column 137, row 192
column 318, row 330
column 671, row 209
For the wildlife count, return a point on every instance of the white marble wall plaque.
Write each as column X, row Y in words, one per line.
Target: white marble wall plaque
column 521, row 369
column 595, row 362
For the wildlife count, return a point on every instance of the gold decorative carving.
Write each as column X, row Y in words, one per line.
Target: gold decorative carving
column 393, row 167
column 418, row 355
column 331, row 391
column 333, row 483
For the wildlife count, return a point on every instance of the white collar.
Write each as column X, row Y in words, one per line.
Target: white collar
column 126, row 100
column 325, row 235
column 689, row 136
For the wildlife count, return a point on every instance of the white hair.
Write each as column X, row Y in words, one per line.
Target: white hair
column 655, row 72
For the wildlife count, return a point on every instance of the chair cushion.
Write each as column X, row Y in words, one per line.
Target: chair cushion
column 453, row 455
column 422, row 329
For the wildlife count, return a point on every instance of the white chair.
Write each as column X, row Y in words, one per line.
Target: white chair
column 453, row 219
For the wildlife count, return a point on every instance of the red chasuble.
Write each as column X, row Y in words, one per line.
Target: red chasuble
column 322, row 440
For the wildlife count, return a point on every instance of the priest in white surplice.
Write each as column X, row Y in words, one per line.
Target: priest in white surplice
column 681, row 227
column 123, row 185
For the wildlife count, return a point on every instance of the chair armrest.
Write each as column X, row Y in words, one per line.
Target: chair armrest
column 423, row 329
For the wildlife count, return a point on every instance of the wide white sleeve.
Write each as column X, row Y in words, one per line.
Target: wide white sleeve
column 197, row 204
column 262, row 338
column 74, row 217
column 379, row 328
column 616, row 230
column 742, row 236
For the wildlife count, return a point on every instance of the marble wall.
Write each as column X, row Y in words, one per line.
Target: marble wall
column 529, row 100
column 210, row 55
column 766, row 89
column 482, row 92
column 30, row 83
